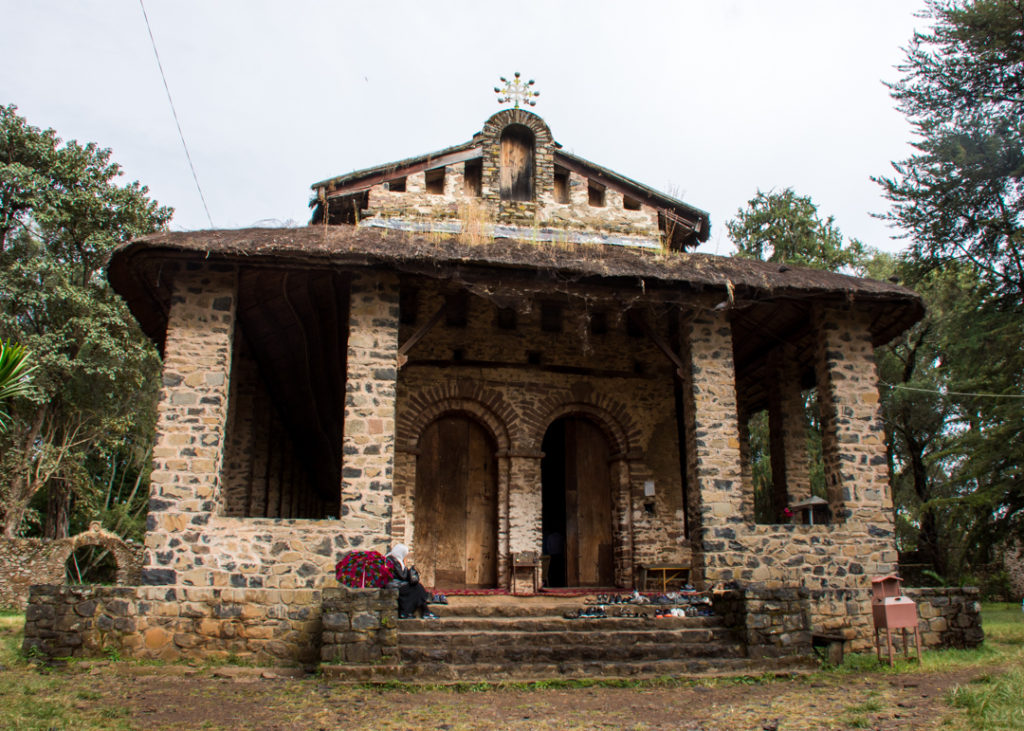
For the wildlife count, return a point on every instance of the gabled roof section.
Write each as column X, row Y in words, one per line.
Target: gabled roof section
column 554, row 191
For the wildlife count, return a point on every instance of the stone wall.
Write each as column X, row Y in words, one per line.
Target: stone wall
column 770, row 622
column 948, row 617
column 630, row 397
column 359, row 625
column 28, row 561
column 264, row 626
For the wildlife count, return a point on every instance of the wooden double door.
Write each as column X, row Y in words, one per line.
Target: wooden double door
column 577, row 509
column 456, row 505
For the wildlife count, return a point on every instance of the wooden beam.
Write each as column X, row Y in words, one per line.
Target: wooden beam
column 377, row 178
column 417, row 336
column 664, row 347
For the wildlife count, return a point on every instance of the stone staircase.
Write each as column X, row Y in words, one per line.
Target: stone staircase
column 526, row 639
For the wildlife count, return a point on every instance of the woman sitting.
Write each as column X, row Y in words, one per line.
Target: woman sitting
column 412, row 597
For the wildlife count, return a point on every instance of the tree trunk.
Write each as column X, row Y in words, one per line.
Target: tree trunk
column 58, row 510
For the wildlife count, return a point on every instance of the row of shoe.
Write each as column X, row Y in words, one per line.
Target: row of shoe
column 437, row 599
column 586, row 613
column 688, row 611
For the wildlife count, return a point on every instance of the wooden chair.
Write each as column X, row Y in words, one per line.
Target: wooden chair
column 526, row 561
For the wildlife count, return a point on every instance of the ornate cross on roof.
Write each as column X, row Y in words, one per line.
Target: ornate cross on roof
column 517, row 92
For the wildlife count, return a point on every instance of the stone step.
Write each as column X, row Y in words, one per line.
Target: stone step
column 566, row 636
column 547, row 607
column 560, row 653
column 527, row 672
column 553, row 623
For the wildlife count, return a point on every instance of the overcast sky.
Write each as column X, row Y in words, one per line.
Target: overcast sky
column 706, row 100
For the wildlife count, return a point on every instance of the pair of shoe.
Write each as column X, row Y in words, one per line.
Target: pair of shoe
column 406, row 615
column 427, row 614
column 437, row 599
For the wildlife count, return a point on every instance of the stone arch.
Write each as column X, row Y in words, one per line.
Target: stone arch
column 484, row 405
column 609, row 415
column 129, row 561
column 491, row 135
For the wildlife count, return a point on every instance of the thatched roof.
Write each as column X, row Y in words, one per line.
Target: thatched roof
column 137, row 269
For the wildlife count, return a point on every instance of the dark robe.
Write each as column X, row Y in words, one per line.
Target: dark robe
column 412, row 597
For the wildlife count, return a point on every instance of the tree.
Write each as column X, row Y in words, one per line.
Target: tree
column 90, row 410
column 961, row 196
column 785, row 227
column 14, row 373
column 960, row 200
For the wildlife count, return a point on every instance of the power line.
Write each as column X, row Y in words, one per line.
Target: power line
column 952, row 393
column 175, row 114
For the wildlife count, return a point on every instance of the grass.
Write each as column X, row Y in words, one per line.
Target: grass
column 35, row 697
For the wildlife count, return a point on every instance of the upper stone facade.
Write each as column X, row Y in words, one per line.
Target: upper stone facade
column 511, row 180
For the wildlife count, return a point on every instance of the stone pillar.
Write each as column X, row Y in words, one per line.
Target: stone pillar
column 369, row 443
column 853, row 441
column 791, row 476
column 191, row 419
column 622, row 485
column 712, row 444
column 525, row 503
column 504, row 477
column 746, row 467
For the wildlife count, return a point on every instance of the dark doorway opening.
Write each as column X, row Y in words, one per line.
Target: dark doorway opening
column 456, row 544
column 576, row 510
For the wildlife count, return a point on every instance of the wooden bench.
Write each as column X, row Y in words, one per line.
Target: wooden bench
column 663, row 574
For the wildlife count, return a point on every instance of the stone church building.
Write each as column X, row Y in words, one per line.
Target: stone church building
column 497, row 348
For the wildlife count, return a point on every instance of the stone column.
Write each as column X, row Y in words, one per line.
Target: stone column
column 853, row 441
column 712, row 444
column 525, row 503
column 791, row 476
column 369, row 443
column 622, row 485
column 191, row 418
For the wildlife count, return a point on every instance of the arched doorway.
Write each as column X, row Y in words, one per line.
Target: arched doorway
column 517, row 146
column 456, row 541
column 577, row 504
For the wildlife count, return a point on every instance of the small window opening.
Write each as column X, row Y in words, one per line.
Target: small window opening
column 456, row 309
column 630, row 204
column 634, row 324
column 397, row 185
column 598, row 323
column 473, row 178
column 533, row 357
column 639, row 368
column 595, row 192
column 458, row 355
column 435, row 181
column 506, row 318
column 551, row 317
column 561, row 185
column 408, row 305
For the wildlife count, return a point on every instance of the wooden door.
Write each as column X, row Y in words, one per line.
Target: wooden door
column 582, row 464
column 456, row 507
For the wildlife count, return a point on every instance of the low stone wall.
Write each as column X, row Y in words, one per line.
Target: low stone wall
column 265, row 626
column 843, row 613
column 359, row 625
column 28, row 561
column 948, row 617
column 770, row 622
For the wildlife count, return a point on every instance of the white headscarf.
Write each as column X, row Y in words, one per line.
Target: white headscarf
column 399, row 552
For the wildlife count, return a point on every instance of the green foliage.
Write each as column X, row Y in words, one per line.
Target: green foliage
column 88, row 415
column 960, row 196
column 14, row 376
column 785, row 227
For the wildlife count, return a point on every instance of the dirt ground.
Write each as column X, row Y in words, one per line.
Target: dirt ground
column 180, row 697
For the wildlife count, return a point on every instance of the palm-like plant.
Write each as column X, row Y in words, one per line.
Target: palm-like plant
column 14, row 376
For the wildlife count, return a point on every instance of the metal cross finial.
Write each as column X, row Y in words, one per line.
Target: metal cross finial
column 516, row 91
